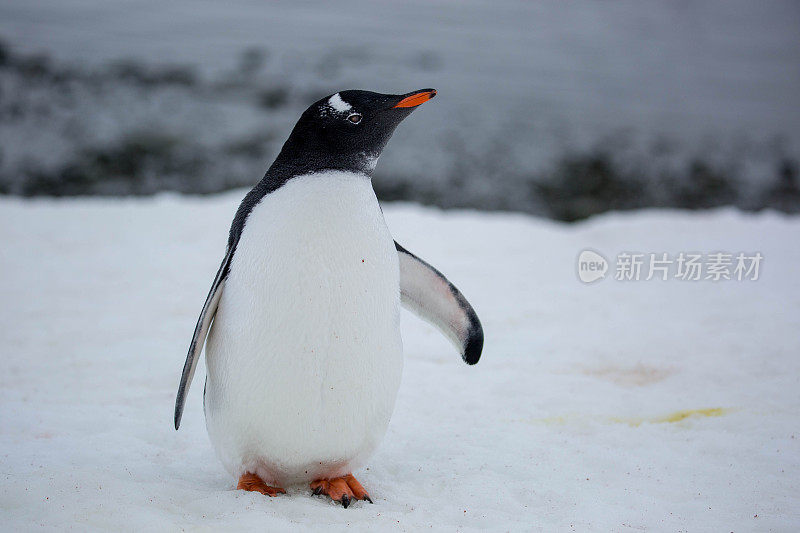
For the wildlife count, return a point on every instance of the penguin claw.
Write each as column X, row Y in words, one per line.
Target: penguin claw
column 251, row 482
column 343, row 489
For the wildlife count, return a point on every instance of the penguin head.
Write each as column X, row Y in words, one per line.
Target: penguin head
column 348, row 130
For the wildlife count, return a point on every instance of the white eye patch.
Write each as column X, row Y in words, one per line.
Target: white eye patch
column 337, row 104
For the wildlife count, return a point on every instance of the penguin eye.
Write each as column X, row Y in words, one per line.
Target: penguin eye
column 355, row 118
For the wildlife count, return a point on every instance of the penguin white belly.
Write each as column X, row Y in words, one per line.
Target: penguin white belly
column 304, row 357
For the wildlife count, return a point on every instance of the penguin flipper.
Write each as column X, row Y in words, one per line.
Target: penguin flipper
column 200, row 332
column 426, row 292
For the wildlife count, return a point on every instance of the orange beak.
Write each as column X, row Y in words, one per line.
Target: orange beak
column 417, row 98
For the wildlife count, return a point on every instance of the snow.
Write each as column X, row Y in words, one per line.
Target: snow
column 619, row 406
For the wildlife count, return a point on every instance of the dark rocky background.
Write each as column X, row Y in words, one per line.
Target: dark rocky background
column 548, row 109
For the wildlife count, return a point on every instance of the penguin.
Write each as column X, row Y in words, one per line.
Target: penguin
column 301, row 326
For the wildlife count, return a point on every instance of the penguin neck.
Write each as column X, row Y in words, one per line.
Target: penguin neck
column 290, row 163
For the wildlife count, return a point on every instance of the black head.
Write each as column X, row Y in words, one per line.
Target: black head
column 347, row 130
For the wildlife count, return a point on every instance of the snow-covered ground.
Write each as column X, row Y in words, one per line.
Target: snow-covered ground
column 615, row 406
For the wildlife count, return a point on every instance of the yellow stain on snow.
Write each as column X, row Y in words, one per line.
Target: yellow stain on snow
column 554, row 420
column 677, row 416
column 670, row 418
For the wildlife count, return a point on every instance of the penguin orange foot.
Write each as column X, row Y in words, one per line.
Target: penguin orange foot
column 250, row 481
column 341, row 489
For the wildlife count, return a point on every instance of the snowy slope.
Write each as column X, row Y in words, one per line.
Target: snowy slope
column 573, row 420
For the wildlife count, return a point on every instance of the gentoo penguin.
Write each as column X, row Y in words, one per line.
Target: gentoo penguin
column 304, row 354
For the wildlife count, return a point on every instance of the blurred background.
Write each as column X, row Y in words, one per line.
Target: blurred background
column 558, row 109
